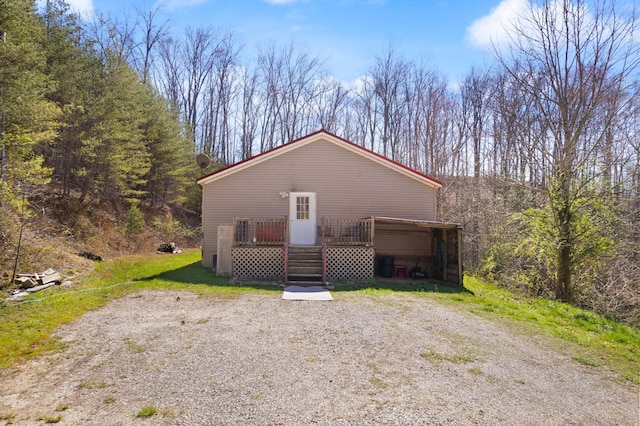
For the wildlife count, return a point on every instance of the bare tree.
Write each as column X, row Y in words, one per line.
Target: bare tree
column 289, row 87
column 428, row 120
column 389, row 74
column 152, row 33
column 172, row 72
column 197, row 53
column 330, row 104
column 272, row 70
column 474, row 96
column 219, row 99
column 365, row 105
column 249, row 111
column 114, row 38
column 571, row 58
column 302, row 71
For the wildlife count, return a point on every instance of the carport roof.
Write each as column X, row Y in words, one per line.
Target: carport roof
column 420, row 223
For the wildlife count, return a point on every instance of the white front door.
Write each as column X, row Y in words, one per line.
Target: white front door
column 302, row 214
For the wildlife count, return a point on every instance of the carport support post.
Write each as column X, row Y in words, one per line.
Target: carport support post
column 460, row 268
column 444, row 260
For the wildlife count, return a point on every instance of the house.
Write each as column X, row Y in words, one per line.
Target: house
column 322, row 209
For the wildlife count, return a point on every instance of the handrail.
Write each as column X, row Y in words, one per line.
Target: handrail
column 286, row 262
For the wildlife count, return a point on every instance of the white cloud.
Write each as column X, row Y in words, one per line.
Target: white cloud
column 495, row 27
column 520, row 19
column 82, row 7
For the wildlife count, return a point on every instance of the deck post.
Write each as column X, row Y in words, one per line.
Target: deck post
column 324, row 262
column 285, row 248
column 373, row 233
column 460, row 268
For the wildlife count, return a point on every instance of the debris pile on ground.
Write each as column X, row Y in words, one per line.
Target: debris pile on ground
column 169, row 248
column 91, row 256
column 31, row 283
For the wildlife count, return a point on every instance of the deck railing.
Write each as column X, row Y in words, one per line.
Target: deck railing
column 332, row 232
column 347, row 232
column 259, row 232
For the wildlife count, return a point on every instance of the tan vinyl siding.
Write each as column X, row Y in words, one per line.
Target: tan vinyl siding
column 403, row 243
column 347, row 185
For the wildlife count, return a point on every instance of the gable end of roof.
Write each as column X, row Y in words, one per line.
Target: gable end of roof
column 313, row 137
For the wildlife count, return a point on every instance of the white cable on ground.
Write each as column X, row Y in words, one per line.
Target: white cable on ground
column 72, row 292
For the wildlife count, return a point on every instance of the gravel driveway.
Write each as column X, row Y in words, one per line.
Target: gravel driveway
column 258, row 360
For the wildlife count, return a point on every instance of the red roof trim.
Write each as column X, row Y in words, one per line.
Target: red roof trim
column 322, row 131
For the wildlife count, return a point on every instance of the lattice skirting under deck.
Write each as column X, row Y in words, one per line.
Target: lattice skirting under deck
column 258, row 262
column 353, row 263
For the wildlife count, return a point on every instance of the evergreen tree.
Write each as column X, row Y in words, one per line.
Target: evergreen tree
column 117, row 137
column 171, row 153
column 72, row 65
column 114, row 159
column 27, row 118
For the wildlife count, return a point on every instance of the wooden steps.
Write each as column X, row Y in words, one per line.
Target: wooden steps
column 304, row 266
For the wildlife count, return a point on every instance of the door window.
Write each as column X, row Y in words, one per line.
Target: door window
column 302, row 208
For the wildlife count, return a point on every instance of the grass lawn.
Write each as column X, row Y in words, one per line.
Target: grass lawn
column 26, row 327
column 592, row 340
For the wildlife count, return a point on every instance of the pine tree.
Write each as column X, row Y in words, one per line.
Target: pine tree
column 27, row 118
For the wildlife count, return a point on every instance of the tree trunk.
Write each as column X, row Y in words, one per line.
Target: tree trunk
column 563, row 285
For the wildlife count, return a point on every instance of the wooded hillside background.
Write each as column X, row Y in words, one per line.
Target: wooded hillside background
column 539, row 153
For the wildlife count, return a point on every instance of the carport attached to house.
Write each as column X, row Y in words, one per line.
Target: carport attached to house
column 435, row 248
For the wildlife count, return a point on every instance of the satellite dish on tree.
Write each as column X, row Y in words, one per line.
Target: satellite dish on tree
column 203, row 161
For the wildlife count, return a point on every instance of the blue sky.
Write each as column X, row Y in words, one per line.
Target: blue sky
column 450, row 35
